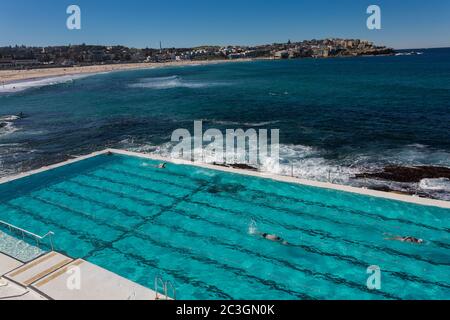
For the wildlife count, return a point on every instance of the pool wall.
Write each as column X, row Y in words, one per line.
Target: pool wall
column 317, row 184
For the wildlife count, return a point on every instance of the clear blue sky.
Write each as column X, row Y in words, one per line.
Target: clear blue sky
column 186, row 23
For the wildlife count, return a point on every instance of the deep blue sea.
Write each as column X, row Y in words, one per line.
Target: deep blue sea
column 337, row 117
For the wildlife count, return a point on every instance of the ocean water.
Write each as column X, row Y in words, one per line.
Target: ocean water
column 337, row 117
column 201, row 229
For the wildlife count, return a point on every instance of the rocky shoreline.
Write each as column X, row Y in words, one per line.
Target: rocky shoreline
column 407, row 179
column 407, row 174
column 396, row 179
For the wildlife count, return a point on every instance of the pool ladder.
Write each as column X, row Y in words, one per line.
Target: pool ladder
column 165, row 285
column 24, row 233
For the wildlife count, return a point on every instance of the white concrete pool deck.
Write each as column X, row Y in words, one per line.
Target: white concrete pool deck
column 8, row 263
column 95, row 284
column 54, row 276
column 10, row 290
column 318, row 184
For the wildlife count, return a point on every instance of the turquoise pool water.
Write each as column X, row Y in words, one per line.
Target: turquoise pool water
column 191, row 226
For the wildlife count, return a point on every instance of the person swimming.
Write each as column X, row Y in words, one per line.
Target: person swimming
column 406, row 239
column 162, row 165
column 272, row 237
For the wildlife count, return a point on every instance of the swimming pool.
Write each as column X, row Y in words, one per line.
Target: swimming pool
column 191, row 225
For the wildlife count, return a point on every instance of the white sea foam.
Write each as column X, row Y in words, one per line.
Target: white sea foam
column 7, row 128
column 240, row 124
column 412, row 155
column 9, row 118
column 161, row 83
column 440, row 184
column 296, row 160
column 24, row 85
column 7, row 124
column 311, row 163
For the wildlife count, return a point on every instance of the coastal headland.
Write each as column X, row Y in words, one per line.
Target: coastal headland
column 21, row 63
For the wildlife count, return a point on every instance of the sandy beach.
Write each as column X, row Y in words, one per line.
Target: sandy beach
column 9, row 76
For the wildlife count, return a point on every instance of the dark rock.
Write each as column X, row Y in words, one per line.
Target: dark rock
column 408, row 174
column 220, row 164
column 242, row 166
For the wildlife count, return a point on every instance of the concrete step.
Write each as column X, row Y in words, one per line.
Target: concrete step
column 38, row 268
column 95, row 283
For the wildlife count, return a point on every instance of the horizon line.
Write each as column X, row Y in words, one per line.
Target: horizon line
column 216, row 45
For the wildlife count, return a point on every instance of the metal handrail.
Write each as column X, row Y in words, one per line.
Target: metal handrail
column 168, row 282
column 159, row 280
column 165, row 285
column 38, row 238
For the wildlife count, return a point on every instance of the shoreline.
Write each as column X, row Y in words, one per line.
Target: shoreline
column 18, row 76
column 8, row 77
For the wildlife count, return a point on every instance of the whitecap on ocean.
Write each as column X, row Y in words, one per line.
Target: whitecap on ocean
column 7, row 124
column 24, row 85
column 171, row 82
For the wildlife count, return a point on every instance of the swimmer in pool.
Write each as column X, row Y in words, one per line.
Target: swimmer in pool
column 272, row 237
column 406, row 239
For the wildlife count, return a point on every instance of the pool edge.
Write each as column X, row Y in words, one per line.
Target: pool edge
column 305, row 182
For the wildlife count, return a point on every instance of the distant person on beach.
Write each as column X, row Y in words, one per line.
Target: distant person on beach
column 406, row 239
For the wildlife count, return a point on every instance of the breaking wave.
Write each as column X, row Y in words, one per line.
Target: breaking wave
column 24, row 85
column 9, row 118
column 312, row 163
column 295, row 160
column 7, row 125
column 440, row 184
column 7, row 128
column 437, row 188
column 237, row 124
column 161, row 83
